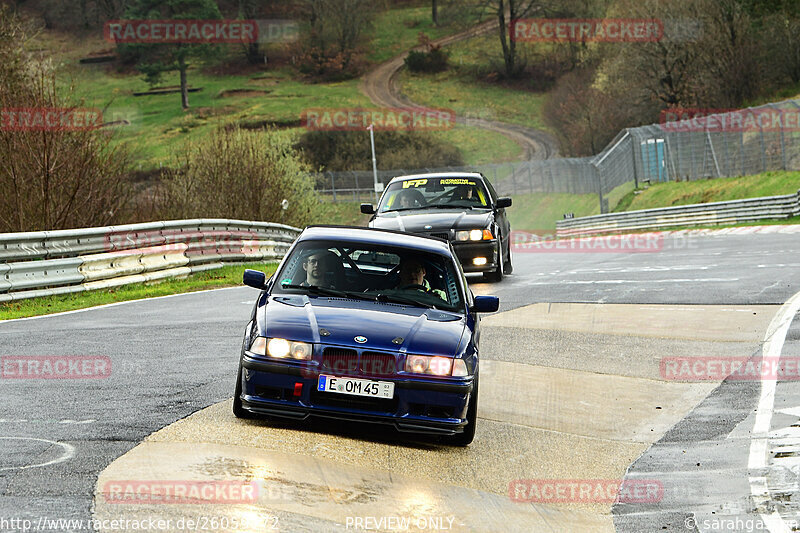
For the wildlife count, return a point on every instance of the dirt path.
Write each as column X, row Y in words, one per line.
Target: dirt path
column 381, row 86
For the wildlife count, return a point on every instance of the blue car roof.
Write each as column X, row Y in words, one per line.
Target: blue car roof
column 360, row 235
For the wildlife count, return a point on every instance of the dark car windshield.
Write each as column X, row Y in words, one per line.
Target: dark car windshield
column 372, row 272
column 422, row 193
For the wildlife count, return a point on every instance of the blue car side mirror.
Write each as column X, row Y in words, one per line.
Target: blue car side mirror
column 486, row 304
column 255, row 279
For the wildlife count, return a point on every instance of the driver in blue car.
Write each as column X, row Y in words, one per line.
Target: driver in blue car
column 320, row 269
column 412, row 276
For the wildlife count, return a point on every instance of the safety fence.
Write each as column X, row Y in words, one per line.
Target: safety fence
column 734, row 143
column 48, row 263
column 731, row 212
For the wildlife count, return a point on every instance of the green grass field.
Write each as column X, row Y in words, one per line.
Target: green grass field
column 159, row 127
column 397, row 30
column 712, row 190
column 227, row 276
column 458, row 89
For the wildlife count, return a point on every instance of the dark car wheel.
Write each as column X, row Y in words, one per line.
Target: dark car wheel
column 238, row 410
column 508, row 268
column 496, row 274
column 465, row 438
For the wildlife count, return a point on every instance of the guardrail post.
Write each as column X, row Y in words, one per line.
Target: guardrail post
column 530, row 177
column 599, row 177
column 633, row 157
column 514, row 179
column 333, row 187
column 741, row 152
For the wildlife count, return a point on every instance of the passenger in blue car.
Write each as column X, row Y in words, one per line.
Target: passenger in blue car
column 412, row 276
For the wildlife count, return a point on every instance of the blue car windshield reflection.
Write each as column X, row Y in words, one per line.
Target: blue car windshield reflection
column 372, row 272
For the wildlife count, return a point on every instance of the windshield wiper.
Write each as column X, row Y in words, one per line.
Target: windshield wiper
column 315, row 289
column 394, row 298
column 404, row 209
column 360, row 296
column 324, row 291
column 451, row 206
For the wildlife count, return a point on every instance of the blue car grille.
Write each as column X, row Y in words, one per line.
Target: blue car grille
column 340, row 361
column 378, row 364
column 345, row 361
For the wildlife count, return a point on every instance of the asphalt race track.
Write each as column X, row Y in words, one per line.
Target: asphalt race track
column 573, row 391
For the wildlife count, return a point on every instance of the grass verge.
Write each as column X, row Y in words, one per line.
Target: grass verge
column 227, row 276
column 460, row 89
column 711, row 190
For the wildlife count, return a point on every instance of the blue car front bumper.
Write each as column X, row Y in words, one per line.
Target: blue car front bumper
column 432, row 406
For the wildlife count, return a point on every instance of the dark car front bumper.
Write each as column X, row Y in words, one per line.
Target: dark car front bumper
column 418, row 405
column 467, row 252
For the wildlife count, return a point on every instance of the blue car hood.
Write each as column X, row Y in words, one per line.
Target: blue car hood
column 423, row 331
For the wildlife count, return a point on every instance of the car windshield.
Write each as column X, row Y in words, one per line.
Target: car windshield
column 372, row 272
column 422, row 193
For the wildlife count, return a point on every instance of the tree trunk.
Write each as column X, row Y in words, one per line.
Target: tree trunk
column 184, row 87
column 435, row 12
column 508, row 47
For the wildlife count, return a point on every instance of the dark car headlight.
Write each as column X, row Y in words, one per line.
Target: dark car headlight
column 474, row 235
column 282, row 348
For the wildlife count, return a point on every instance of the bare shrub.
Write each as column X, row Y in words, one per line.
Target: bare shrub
column 236, row 173
column 51, row 177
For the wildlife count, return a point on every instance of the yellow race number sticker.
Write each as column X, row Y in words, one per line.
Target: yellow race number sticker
column 414, row 183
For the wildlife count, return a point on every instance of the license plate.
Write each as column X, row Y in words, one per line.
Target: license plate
column 356, row 387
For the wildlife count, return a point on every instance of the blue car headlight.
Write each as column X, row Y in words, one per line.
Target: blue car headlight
column 436, row 366
column 282, row 348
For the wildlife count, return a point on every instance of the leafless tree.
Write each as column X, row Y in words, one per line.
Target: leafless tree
column 50, row 177
column 507, row 11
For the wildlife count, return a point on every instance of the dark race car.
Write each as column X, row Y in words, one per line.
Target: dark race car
column 369, row 325
column 462, row 208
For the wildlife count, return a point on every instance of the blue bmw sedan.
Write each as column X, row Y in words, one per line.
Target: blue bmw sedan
column 369, row 325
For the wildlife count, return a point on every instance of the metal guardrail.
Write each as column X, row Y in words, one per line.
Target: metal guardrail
column 730, row 212
column 47, row 263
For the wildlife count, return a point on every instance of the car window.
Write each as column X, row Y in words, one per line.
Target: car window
column 417, row 193
column 373, row 272
column 492, row 192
